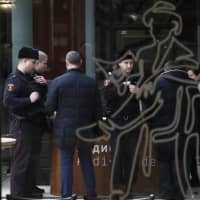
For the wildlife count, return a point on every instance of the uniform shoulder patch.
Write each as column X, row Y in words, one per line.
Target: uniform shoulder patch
column 10, row 87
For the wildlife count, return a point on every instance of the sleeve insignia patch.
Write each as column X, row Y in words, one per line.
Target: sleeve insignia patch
column 10, row 87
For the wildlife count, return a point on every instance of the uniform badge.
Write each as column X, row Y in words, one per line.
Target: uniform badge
column 10, row 87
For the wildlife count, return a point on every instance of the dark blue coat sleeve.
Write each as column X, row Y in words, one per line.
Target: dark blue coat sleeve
column 52, row 97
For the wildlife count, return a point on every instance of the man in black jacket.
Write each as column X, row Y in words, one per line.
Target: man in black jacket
column 40, row 84
column 174, row 129
column 74, row 97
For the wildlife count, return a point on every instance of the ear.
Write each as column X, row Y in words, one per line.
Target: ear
column 66, row 63
column 120, row 63
column 37, row 62
column 24, row 60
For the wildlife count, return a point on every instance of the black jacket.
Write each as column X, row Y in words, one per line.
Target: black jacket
column 180, row 113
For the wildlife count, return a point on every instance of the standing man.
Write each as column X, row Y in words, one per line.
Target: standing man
column 74, row 97
column 123, row 109
column 28, row 119
column 174, row 124
column 39, row 83
column 40, row 68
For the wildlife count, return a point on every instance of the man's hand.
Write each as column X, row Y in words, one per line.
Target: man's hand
column 133, row 89
column 34, row 96
column 53, row 116
column 40, row 80
column 106, row 83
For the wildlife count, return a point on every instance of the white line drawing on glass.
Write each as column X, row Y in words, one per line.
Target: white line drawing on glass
column 147, row 88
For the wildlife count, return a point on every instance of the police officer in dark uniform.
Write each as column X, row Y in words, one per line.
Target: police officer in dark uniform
column 122, row 112
column 23, row 99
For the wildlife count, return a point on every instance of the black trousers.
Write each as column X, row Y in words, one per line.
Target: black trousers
column 170, row 186
column 25, row 156
column 123, row 153
column 193, row 169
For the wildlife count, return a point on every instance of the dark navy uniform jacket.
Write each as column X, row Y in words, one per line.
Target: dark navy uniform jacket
column 17, row 90
column 74, row 96
column 115, row 102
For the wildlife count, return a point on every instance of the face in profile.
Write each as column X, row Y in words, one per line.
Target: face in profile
column 30, row 65
column 42, row 66
column 193, row 76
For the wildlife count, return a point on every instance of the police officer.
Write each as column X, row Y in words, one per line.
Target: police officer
column 23, row 100
column 122, row 107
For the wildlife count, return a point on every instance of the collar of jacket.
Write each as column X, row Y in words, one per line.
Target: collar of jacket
column 24, row 75
column 74, row 69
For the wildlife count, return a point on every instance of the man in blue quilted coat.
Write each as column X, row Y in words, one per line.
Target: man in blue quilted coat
column 74, row 98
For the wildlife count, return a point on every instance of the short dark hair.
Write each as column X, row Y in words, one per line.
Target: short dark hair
column 124, row 54
column 73, row 57
column 28, row 52
column 197, row 71
column 182, row 64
